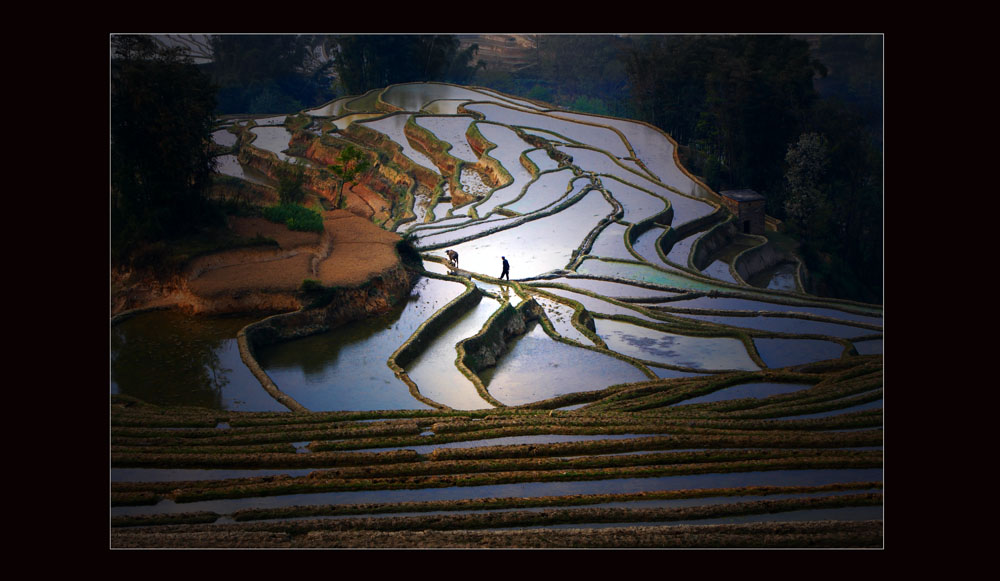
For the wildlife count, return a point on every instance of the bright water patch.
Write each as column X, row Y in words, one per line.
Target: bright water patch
column 537, row 367
column 347, row 368
column 639, row 205
column 436, row 267
column 709, row 353
column 343, row 122
column 610, row 243
column 537, row 246
column 608, row 288
column 273, row 139
column 331, row 109
column 542, row 160
column 508, row 152
column 685, row 208
column 548, row 189
column 444, row 106
column 744, row 390
column 415, row 96
column 719, row 270
column 451, row 130
column 785, row 352
column 601, row 137
column 643, row 273
column 229, row 165
column 169, row 358
column 561, row 317
column 501, row 290
column 646, row 246
column 651, row 146
column 472, row 182
column 435, row 372
column 458, row 229
column 271, row 121
column 392, row 126
column 598, row 305
column 501, row 98
column 680, row 251
column 224, row 137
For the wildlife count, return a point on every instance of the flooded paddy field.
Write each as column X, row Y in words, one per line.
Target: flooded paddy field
column 599, row 397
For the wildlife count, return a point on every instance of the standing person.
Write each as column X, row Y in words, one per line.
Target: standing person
column 453, row 257
column 506, row 268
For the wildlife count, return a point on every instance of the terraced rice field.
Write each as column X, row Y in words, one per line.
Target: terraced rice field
column 649, row 404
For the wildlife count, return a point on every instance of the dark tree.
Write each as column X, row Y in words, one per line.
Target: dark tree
column 369, row 61
column 741, row 98
column 161, row 122
column 747, row 113
column 268, row 73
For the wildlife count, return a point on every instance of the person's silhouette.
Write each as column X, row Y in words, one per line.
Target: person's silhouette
column 506, row 268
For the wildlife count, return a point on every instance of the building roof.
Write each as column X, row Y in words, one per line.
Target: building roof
column 742, row 195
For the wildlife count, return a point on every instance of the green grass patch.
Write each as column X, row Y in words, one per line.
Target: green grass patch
column 295, row 217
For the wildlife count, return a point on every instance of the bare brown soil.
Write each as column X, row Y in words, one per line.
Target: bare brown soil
column 350, row 251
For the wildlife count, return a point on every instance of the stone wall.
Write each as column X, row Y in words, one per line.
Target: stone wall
column 717, row 238
column 485, row 348
column 757, row 259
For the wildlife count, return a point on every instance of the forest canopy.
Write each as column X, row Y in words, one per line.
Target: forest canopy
column 162, row 111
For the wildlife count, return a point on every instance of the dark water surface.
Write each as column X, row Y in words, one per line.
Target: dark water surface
column 169, row 358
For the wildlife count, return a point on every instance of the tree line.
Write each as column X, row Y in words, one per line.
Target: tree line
column 747, row 111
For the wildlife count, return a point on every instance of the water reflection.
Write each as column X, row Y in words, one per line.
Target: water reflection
column 169, row 358
column 779, row 277
column 537, row 246
column 785, row 352
column 273, row 139
column 716, row 353
column 537, row 367
column 347, row 368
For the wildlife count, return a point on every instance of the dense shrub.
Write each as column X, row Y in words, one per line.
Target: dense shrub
column 296, row 217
